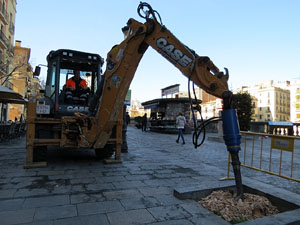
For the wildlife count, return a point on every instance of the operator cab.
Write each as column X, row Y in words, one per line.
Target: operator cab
column 62, row 65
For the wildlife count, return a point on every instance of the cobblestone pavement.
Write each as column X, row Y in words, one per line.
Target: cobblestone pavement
column 76, row 188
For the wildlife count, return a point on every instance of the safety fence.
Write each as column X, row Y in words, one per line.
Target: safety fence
column 271, row 154
column 12, row 130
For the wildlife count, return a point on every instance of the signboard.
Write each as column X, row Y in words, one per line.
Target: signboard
column 286, row 144
column 170, row 90
column 42, row 109
column 128, row 98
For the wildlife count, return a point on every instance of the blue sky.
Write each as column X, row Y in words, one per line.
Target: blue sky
column 256, row 40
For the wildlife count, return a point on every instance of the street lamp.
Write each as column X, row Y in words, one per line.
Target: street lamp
column 37, row 70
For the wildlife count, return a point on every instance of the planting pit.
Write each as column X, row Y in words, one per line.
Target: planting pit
column 286, row 204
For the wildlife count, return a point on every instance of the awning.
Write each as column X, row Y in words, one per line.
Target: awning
column 151, row 106
column 280, row 123
column 10, row 96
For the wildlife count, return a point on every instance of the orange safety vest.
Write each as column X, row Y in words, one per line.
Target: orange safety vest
column 71, row 84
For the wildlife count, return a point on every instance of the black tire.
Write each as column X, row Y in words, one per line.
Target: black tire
column 40, row 154
column 106, row 152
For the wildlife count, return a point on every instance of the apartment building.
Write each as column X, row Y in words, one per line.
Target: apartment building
column 211, row 108
column 210, row 105
column 294, row 88
column 271, row 103
column 7, row 29
column 22, row 80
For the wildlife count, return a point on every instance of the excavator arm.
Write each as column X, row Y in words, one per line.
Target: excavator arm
column 122, row 62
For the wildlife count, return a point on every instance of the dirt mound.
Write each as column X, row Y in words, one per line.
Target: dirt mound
column 223, row 203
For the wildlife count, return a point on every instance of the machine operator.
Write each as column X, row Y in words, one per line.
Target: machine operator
column 76, row 89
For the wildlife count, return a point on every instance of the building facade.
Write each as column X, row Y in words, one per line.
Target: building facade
column 211, row 108
column 294, row 88
column 22, row 79
column 270, row 102
column 7, row 31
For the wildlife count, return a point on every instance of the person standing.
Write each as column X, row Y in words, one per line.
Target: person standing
column 127, row 118
column 144, row 122
column 180, row 122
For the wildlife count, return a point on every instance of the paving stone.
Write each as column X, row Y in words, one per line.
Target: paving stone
column 151, row 191
column 128, row 184
column 141, row 172
column 195, row 208
column 99, row 207
column 46, row 201
column 79, row 172
column 113, row 195
column 100, row 219
column 22, row 173
column 20, row 185
column 117, row 173
column 154, row 167
column 16, row 216
column 139, row 216
column 159, row 182
column 61, row 177
column 97, row 197
column 11, row 204
column 56, row 212
column 7, row 193
column 100, row 187
column 48, row 222
column 169, row 212
column 63, row 189
column 29, row 193
column 165, row 175
column 151, row 167
column 209, row 220
column 139, row 203
column 79, row 198
column 184, row 180
column 50, row 172
column 289, row 216
column 110, row 179
column 163, row 171
column 83, row 198
column 77, row 188
column 138, row 177
column 89, row 180
column 25, row 179
column 167, row 200
column 5, row 180
column 174, row 222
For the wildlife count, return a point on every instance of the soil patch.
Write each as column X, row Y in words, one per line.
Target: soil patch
column 253, row 206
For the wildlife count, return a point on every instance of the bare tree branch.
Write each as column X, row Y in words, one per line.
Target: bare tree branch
column 4, row 66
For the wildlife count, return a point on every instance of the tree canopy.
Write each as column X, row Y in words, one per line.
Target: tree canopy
column 242, row 102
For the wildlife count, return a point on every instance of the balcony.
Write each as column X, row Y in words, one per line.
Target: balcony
column 11, row 28
column 10, row 49
column 3, row 14
column 4, row 42
column 3, row 68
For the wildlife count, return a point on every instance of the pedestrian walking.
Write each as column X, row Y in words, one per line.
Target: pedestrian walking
column 127, row 118
column 144, row 122
column 180, row 122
